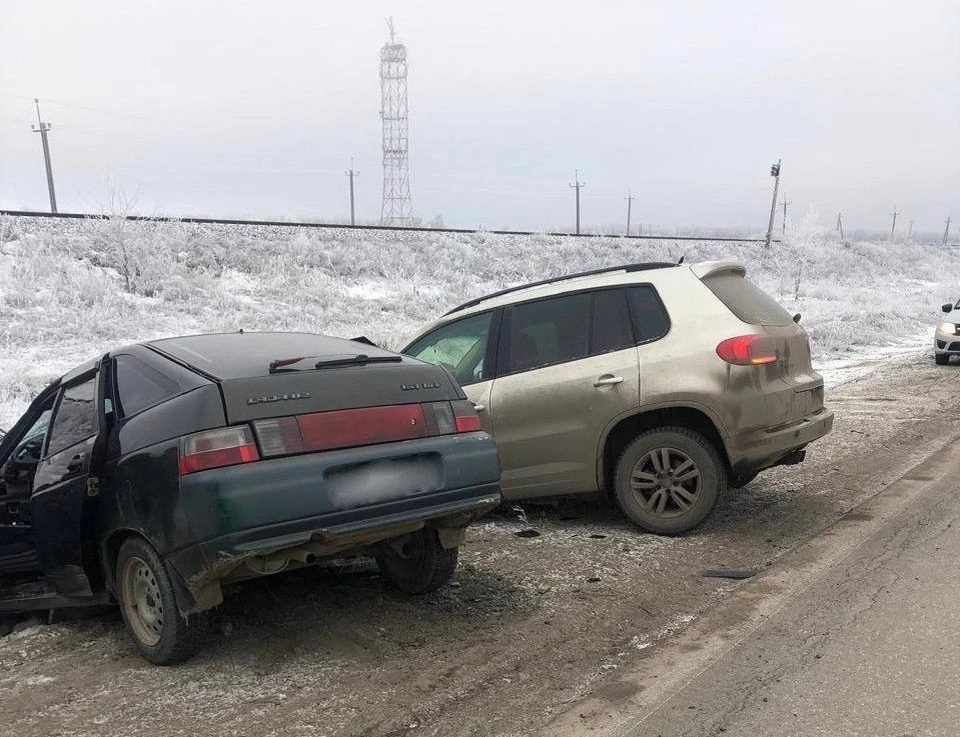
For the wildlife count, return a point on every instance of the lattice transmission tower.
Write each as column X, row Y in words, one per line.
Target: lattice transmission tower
column 397, row 208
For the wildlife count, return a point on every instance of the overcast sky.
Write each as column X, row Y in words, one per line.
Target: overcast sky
column 228, row 108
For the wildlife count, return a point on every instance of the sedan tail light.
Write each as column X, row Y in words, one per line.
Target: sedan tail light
column 748, row 350
column 465, row 417
column 350, row 428
column 227, row 446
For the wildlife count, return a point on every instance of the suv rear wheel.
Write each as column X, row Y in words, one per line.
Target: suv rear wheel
column 668, row 480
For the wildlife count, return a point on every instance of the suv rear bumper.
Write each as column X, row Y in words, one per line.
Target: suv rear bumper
column 755, row 451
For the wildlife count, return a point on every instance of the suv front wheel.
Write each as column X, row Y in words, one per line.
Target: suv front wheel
column 668, row 480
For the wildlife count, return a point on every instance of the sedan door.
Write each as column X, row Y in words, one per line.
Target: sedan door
column 65, row 488
column 19, row 455
column 566, row 367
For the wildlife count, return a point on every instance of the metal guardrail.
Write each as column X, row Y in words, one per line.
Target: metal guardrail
column 412, row 229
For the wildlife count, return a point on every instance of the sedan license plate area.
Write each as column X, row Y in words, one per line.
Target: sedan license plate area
column 361, row 484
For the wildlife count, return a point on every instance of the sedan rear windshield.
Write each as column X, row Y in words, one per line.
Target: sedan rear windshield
column 241, row 355
column 746, row 300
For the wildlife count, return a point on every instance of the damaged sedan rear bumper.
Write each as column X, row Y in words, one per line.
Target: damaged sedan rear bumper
column 264, row 517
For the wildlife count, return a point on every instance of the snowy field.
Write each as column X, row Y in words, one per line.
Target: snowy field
column 73, row 289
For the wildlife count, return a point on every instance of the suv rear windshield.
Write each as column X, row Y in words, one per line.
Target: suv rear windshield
column 746, row 300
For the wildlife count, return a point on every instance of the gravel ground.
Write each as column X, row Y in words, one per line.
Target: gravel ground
column 529, row 625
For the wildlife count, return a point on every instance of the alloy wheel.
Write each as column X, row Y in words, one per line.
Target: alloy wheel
column 666, row 481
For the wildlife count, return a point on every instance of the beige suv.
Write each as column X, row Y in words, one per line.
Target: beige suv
column 661, row 383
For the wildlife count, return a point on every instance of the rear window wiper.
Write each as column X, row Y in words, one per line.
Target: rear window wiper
column 307, row 363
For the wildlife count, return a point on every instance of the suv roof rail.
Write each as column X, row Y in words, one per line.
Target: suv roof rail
column 628, row 268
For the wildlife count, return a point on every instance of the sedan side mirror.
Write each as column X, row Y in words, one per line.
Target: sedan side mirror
column 947, row 308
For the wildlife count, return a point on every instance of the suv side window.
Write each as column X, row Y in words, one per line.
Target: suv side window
column 140, row 386
column 546, row 332
column 76, row 416
column 650, row 318
column 611, row 329
column 459, row 346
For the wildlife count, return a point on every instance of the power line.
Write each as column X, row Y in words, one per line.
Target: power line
column 89, row 108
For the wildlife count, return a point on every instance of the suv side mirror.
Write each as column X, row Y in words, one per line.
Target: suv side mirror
column 947, row 308
column 796, row 318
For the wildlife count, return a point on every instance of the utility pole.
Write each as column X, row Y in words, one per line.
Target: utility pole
column 785, row 203
column 42, row 129
column 577, row 185
column 775, row 173
column 946, row 231
column 894, row 226
column 910, row 232
column 840, row 224
column 352, row 174
column 629, row 198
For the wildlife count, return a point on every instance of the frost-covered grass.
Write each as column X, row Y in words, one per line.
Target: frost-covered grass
column 72, row 289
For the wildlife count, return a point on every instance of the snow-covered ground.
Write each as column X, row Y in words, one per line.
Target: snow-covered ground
column 72, row 289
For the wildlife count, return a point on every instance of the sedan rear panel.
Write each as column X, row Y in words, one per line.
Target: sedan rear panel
column 320, row 503
column 348, row 387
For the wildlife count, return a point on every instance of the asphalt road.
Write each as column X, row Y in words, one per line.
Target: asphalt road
column 870, row 647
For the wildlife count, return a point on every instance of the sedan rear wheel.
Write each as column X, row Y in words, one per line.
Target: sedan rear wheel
column 417, row 563
column 668, row 480
column 149, row 606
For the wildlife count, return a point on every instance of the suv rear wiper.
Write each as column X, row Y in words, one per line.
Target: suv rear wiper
column 284, row 365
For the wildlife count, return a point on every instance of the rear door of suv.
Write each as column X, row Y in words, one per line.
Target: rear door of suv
column 565, row 367
column 792, row 389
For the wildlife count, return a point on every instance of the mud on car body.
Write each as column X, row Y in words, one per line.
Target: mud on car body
column 659, row 383
column 166, row 469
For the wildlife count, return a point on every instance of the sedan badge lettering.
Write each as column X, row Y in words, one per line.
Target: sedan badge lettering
column 277, row 398
column 414, row 387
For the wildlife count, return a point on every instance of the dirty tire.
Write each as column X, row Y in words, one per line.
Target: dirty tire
column 417, row 563
column 942, row 359
column 149, row 607
column 668, row 480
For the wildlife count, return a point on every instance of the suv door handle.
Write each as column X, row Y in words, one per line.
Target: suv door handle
column 608, row 380
column 76, row 463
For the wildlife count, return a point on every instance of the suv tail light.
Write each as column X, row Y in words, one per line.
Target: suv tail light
column 349, row 428
column 227, row 446
column 748, row 350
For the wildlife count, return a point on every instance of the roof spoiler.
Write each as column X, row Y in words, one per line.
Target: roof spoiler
column 706, row 268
